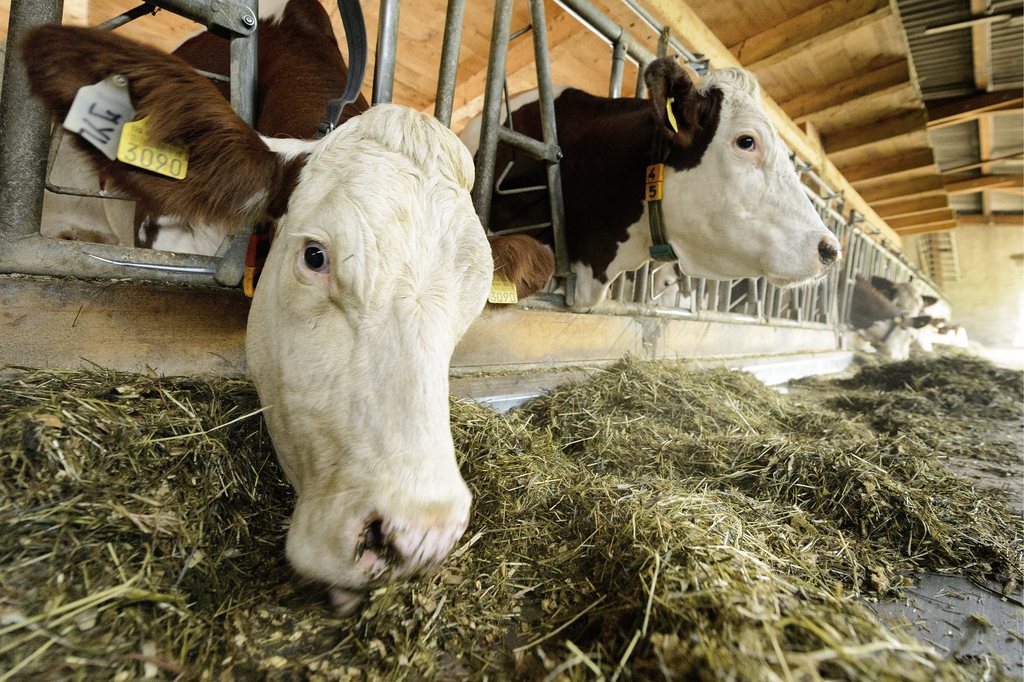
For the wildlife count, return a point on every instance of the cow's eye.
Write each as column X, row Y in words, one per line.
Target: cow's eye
column 315, row 256
column 746, row 142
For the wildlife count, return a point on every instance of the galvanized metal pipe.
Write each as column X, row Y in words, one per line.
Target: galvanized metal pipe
column 131, row 15
column 618, row 61
column 608, row 29
column 649, row 19
column 244, row 64
column 387, row 47
column 38, row 255
column 491, row 115
column 24, row 131
column 233, row 16
column 446, row 78
column 546, row 100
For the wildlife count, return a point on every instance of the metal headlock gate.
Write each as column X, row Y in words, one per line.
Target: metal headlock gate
column 25, row 146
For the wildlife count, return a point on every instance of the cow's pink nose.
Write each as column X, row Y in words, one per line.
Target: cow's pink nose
column 828, row 250
column 400, row 547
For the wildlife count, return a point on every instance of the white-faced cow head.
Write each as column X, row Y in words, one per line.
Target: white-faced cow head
column 738, row 209
column 378, row 266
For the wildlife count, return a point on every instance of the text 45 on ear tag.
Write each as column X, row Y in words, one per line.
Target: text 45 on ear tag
column 99, row 112
column 502, row 290
column 135, row 149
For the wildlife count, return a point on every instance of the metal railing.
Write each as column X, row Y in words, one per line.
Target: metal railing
column 653, row 289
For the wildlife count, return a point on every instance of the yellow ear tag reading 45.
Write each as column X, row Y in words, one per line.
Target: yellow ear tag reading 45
column 502, row 290
column 135, row 149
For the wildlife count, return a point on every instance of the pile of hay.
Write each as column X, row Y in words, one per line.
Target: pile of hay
column 653, row 521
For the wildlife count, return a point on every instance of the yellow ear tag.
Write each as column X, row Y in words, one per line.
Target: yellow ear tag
column 502, row 290
column 671, row 114
column 135, row 149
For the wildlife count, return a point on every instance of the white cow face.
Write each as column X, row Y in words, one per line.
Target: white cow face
column 742, row 211
column 377, row 269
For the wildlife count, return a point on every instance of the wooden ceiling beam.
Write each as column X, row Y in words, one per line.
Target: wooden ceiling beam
column 906, row 189
column 995, row 220
column 819, row 25
column 901, row 207
column 865, row 83
column 879, row 131
column 954, row 110
column 928, row 228
column 864, row 103
column 984, row 162
column 981, row 47
column 938, row 215
column 901, row 165
column 983, row 183
column 694, row 33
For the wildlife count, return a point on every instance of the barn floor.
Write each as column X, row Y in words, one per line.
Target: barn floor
column 651, row 521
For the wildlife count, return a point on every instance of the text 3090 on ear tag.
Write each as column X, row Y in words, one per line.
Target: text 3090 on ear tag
column 136, row 149
column 502, row 290
column 99, row 112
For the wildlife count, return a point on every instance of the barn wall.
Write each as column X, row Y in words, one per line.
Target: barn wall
column 988, row 299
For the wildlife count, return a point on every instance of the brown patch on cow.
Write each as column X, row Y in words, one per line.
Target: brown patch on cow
column 607, row 145
column 696, row 114
column 229, row 164
column 869, row 305
column 300, row 68
column 524, row 261
column 885, row 286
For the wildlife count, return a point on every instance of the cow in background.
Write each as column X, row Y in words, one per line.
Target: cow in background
column 910, row 302
column 733, row 204
column 300, row 68
column 378, row 266
column 876, row 320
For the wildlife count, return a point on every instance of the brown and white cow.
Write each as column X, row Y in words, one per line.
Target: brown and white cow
column 878, row 321
column 378, row 266
column 733, row 204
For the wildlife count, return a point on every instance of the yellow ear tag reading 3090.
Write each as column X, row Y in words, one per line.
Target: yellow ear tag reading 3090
column 135, row 149
column 671, row 114
column 503, row 291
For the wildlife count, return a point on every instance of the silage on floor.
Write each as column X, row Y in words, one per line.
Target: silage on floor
column 653, row 521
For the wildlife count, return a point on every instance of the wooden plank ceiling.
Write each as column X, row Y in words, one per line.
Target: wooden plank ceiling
column 838, row 68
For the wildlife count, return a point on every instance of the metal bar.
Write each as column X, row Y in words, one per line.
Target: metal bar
column 491, row 118
column 641, row 84
column 535, row 148
column 38, row 255
column 131, row 15
column 590, row 15
column 244, row 64
column 446, row 79
column 618, row 61
column 232, row 16
column 387, row 48
column 24, row 131
column 649, row 19
column 546, row 101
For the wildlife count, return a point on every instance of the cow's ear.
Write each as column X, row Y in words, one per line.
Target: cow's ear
column 233, row 178
column 887, row 288
column 920, row 321
column 929, row 300
column 678, row 106
column 524, row 261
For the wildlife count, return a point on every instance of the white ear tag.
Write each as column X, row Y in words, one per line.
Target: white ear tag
column 99, row 112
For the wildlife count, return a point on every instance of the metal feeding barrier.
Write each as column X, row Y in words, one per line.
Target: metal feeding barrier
column 26, row 150
column 660, row 288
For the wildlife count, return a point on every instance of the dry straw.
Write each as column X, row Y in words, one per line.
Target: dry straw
column 653, row 522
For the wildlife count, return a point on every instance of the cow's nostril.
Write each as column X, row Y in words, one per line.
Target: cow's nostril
column 375, row 541
column 827, row 251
